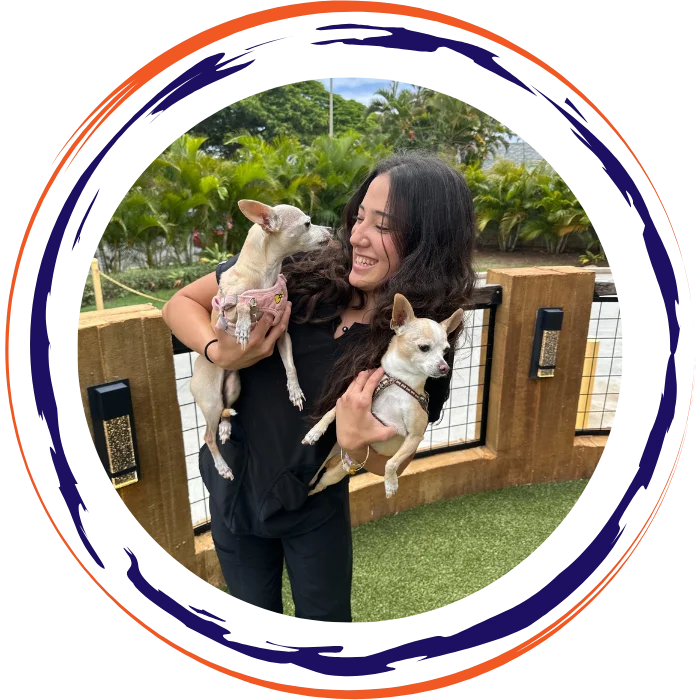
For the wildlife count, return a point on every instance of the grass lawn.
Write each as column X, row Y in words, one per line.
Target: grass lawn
column 133, row 299
column 425, row 558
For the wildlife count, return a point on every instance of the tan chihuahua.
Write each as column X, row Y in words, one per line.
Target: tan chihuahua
column 252, row 287
column 416, row 352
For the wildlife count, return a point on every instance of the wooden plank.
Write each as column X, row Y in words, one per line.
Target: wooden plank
column 140, row 350
column 531, row 422
column 585, row 398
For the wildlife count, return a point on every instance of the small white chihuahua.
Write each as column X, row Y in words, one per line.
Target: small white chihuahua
column 252, row 287
column 416, row 352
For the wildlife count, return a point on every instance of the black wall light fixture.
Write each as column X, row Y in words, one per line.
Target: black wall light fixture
column 115, row 436
column 546, row 342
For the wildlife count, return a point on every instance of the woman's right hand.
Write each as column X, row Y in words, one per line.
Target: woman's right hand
column 229, row 354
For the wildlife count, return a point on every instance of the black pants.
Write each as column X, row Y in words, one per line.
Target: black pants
column 319, row 564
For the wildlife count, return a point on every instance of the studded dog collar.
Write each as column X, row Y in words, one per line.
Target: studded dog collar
column 386, row 381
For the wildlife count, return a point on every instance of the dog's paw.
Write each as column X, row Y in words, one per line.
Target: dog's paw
column 242, row 332
column 223, row 468
column 312, row 437
column 296, row 395
column 224, row 431
column 391, row 485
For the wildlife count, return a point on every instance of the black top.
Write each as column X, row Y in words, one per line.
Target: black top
column 272, row 469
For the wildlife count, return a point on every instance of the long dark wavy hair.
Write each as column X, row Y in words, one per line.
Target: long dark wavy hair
column 433, row 232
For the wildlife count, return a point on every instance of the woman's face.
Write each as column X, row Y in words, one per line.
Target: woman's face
column 375, row 258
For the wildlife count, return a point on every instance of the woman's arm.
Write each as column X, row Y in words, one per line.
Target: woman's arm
column 188, row 313
column 357, row 428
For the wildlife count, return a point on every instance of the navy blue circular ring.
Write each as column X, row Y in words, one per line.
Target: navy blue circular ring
column 325, row 660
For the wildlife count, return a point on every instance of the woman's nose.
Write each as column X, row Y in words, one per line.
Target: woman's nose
column 359, row 239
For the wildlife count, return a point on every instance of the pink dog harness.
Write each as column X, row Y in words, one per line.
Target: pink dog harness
column 271, row 300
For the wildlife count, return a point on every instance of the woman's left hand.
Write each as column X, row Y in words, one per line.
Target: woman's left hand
column 356, row 427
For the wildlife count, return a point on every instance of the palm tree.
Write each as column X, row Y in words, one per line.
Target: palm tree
column 341, row 164
column 136, row 223
column 397, row 113
column 462, row 131
column 504, row 197
column 190, row 191
column 556, row 212
column 288, row 164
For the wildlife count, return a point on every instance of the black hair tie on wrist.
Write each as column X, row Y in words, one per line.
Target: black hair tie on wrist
column 216, row 340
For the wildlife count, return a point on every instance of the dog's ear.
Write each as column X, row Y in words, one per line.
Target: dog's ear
column 450, row 324
column 401, row 314
column 260, row 213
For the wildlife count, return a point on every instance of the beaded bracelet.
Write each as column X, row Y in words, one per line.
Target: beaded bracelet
column 349, row 464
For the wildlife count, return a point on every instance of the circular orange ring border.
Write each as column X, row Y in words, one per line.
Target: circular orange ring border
column 135, row 82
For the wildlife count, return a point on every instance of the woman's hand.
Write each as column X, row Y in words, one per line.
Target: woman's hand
column 356, row 427
column 229, row 354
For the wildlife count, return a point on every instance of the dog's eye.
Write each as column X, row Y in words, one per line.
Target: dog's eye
column 424, row 348
column 307, row 224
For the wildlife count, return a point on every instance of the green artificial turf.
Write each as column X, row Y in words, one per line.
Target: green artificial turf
column 430, row 556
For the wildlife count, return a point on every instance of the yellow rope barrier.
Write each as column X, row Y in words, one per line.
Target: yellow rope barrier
column 129, row 289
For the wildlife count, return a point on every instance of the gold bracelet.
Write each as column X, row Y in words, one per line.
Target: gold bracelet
column 349, row 464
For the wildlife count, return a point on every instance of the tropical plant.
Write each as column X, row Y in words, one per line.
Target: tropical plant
column 463, row 132
column 136, row 223
column 594, row 250
column 341, row 164
column 423, row 118
column 503, row 197
column 397, row 114
column 190, row 191
column 214, row 254
column 555, row 211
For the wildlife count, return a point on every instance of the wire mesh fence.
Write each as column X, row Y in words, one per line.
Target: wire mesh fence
column 462, row 423
column 463, row 420
column 602, row 369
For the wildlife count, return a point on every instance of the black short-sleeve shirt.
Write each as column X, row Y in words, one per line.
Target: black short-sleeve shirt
column 272, row 469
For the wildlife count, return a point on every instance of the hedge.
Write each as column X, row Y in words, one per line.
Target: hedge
column 146, row 280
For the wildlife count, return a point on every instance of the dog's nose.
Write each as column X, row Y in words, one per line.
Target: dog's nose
column 443, row 368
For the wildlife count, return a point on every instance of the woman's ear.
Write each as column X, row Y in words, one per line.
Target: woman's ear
column 401, row 314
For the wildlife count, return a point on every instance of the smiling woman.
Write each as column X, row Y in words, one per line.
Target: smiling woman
column 408, row 229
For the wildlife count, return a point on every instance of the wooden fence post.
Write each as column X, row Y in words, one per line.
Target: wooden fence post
column 531, row 425
column 134, row 343
column 97, row 284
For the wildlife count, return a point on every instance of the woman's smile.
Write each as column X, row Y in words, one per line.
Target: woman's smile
column 363, row 262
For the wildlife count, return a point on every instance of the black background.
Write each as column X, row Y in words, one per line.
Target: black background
column 63, row 61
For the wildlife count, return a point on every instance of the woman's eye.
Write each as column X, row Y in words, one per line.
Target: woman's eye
column 424, row 348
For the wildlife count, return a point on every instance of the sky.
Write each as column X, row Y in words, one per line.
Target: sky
column 363, row 87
